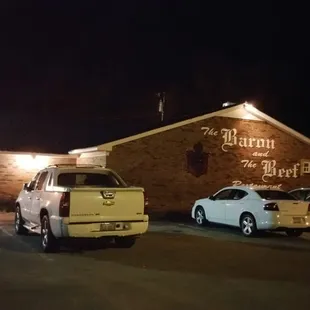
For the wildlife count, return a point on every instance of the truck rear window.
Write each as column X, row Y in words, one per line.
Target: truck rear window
column 88, row 179
column 275, row 195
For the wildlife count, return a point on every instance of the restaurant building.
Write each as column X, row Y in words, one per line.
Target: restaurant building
column 191, row 159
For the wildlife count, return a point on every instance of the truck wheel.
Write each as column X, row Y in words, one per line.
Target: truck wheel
column 19, row 222
column 125, row 242
column 48, row 242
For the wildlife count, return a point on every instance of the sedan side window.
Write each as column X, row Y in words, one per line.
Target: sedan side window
column 223, row 195
column 239, row 194
column 298, row 194
column 307, row 196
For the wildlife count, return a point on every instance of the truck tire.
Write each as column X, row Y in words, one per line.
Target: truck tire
column 19, row 222
column 48, row 242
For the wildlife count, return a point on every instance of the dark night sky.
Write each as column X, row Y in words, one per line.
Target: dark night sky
column 86, row 72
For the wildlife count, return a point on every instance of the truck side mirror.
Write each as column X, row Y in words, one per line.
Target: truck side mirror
column 28, row 187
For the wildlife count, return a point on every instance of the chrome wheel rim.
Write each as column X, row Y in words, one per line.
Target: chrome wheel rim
column 247, row 225
column 17, row 219
column 200, row 217
column 44, row 234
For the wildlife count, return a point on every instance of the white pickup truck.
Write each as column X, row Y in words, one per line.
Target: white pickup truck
column 64, row 201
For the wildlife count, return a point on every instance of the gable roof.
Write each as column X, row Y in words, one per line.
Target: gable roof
column 242, row 111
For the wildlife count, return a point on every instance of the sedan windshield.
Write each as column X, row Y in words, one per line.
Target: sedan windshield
column 275, row 195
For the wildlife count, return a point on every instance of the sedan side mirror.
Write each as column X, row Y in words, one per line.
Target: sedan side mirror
column 211, row 197
column 25, row 187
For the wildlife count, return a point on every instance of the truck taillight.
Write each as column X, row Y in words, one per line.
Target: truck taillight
column 272, row 206
column 146, row 203
column 64, row 205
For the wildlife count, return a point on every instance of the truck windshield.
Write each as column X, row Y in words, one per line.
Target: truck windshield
column 89, row 179
column 275, row 195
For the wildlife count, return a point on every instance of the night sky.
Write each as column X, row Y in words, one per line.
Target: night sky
column 81, row 73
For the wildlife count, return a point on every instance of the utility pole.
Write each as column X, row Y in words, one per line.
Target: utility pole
column 161, row 104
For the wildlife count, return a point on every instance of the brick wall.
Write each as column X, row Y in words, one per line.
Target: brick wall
column 18, row 168
column 92, row 159
column 159, row 162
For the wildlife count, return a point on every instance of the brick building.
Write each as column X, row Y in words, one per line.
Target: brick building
column 179, row 163
column 17, row 168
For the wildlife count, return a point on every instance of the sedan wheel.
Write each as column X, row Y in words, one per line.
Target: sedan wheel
column 248, row 225
column 200, row 216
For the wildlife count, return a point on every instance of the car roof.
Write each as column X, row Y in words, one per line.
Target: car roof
column 73, row 168
column 254, row 188
column 300, row 189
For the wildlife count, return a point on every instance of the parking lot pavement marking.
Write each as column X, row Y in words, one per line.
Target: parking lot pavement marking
column 42, row 255
column 6, row 232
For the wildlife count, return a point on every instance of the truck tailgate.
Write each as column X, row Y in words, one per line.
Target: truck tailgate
column 106, row 204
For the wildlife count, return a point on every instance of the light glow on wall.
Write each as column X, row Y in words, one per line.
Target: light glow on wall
column 248, row 116
column 32, row 162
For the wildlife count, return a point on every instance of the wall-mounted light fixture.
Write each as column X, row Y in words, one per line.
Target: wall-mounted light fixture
column 32, row 162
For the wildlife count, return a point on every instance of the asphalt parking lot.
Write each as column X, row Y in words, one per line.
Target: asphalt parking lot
column 174, row 266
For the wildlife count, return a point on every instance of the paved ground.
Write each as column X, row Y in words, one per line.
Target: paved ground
column 169, row 268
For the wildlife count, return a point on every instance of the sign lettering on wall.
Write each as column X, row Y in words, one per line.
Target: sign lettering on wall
column 230, row 138
column 248, row 163
column 262, row 186
column 270, row 169
column 259, row 154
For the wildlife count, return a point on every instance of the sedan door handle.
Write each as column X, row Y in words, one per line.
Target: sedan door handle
column 37, row 198
column 29, row 198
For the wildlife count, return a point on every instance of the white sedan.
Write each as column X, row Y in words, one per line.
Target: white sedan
column 254, row 209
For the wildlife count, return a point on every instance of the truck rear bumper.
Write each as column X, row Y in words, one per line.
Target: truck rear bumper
column 94, row 230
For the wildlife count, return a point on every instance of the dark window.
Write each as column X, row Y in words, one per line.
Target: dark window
column 50, row 179
column 301, row 194
column 32, row 183
column 88, row 179
column 239, row 194
column 275, row 195
column 298, row 194
column 41, row 180
column 306, row 195
column 226, row 194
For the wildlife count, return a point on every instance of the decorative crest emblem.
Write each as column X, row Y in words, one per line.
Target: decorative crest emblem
column 197, row 160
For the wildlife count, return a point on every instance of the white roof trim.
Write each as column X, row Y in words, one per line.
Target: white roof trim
column 241, row 111
column 237, row 111
column 84, row 150
column 277, row 124
column 37, row 154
